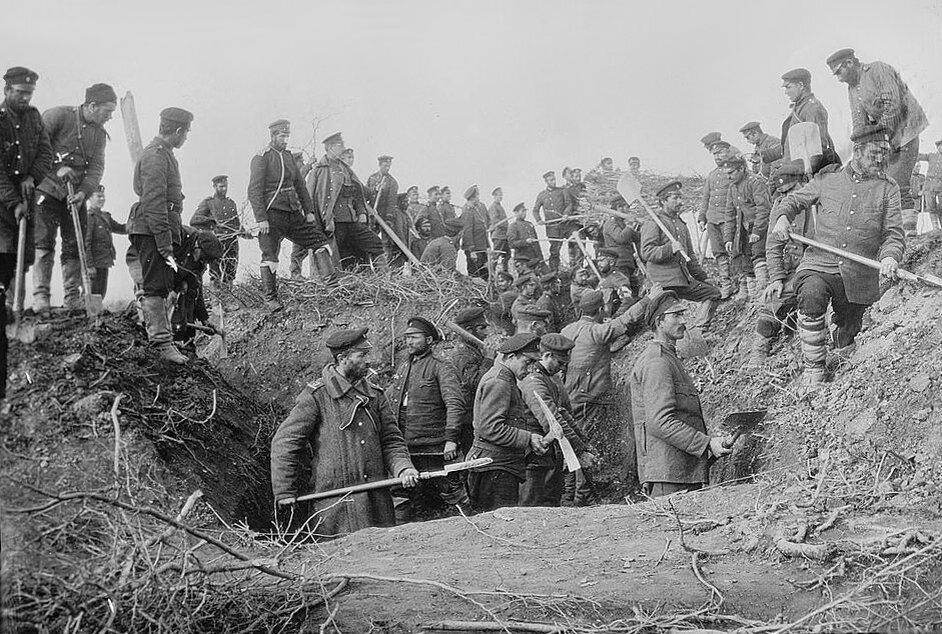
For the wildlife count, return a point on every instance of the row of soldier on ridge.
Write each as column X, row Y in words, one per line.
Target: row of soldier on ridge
column 865, row 206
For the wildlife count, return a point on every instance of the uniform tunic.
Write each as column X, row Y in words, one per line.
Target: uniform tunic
column 428, row 402
column 713, row 200
column 521, row 237
column 747, row 212
column 623, row 238
column 441, row 253
column 769, row 150
column 882, row 97
column 99, row 244
column 76, row 143
column 160, row 190
column 475, row 223
column 500, row 423
column 275, row 182
column 469, row 364
column 807, row 108
column 664, row 266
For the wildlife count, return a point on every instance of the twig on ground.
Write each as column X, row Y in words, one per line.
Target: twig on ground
column 667, row 545
column 117, row 435
column 502, row 540
column 492, row 626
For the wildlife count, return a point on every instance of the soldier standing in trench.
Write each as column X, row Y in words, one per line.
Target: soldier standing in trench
column 218, row 213
column 470, row 364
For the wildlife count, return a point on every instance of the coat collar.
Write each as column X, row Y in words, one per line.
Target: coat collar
column 338, row 386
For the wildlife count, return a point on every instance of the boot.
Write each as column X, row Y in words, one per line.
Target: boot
column 743, row 289
column 270, row 290
column 761, row 347
column 726, row 280
column 705, row 313
column 762, row 278
column 158, row 332
column 813, row 335
column 325, row 265
column 42, row 278
column 72, row 283
column 751, row 287
column 909, row 222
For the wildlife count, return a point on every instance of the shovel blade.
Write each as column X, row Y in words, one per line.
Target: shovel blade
column 94, row 306
column 804, row 141
column 744, row 421
column 629, row 187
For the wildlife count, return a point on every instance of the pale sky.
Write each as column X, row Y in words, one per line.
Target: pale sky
column 460, row 92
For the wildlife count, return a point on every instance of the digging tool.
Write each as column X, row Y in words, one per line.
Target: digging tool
column 395, row 238
column 927, row 278
column 630, row 189
column 804, row 142
column 585, row 253
column 93, row 303
column 21, row 332
column 132, row 131
column 464, row 334
column 556, row 433
column 389, row 482
column 213, row 331
column 223, row 349
column 741, row 423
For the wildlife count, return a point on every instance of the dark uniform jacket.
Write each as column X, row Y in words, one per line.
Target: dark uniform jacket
column 219, row 215
column 769, row 150
column 383, row 200
column 433, row 214
column 99, row 245
column 552, row 204
column 190, row 307
column 470, row 364
column 519, row 233
column 933, row 172
column 664, row 266
column 474, row 223
column 160, row 192
column 496, row 214
column 808, row 108
column 428, row 402
column 330, row 177
column 713, row 199
column 882, row 97
column 275, row 182
column 539, row 383
column 857, row 214
column 78, row 144
column 560, row 308
column 441, row 252
column 747, row 209
column 623, row 238
column 352, row 433
column 500, row 423
column 447, row 210
column 24, row 151
column 670, row 433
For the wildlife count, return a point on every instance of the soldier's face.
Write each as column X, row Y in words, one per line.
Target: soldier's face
column 335, row 150
column 576, row 176
column 521, row 213
column 520, row 364
column 847, row 72
column 180, row 137
column 96, row 200
column 498, row 195
column 529, row 289
column 672, row 325
column 607, row 166
column 550, row 180
column 503, row 283
column 222, row 188
column 582, row 277
column 355, row 365
column 751, row 136
column 279, row 140
column 18, row 97
column 347, row 157
column 412, row 196
column 384, row 167
column 673, row 202
column 446, row 195
column 634, row 166
column 433, row 197
column 719, row 155
column 872, row 157
column 417, row 343
column 604, row 264
column 101, row 113
column 554, row 362
column 793, row 90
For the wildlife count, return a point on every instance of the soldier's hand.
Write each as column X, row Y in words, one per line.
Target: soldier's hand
column 409, row 477
column 27, row 187
column 729, row 247
column 753, row 238
column 888, row 267
column 655, row 290
column 172, row 263
column 287, row 501
column 66, row 174
column 451, row 450
column 77, row 198
column 782, row 227
column 676, row 247
column 717, row 445
column 310, row 218
column 361, row 218
column 702, row 223
column 20, row 211
column 772, row 291
column 263, row 227
column 536, row 444
column 588, row 459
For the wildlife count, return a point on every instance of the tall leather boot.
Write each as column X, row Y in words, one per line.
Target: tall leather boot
column 762, row 277
column 72, row 283
column 158, row 332
column 812, row 333
column 726, row 280
column 910, row 218
column 325, row 265
column 751, row 287
column 42, row 278
column 705, row 313
column 270, row 290
column 761, row 347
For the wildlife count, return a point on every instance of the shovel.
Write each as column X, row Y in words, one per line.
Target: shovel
column 630, row 189
column 21, row 331
column 211, row 331
column 93, row 303
column 804, row 142
column 742, row 423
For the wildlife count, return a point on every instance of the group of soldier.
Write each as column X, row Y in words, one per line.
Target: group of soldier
column 554, row 369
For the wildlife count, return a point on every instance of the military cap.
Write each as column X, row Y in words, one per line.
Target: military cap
column 752, row 125
column 446, row 188
column 549, row 278
column 453, row 227
column 20, row 76
column 385, row 158
column 209, row 244
column 671, row 187
column 533, row 313
column 591, row 301
column 634, row 158
column 495, row 190
column 787, row 173
column 348, row 338
column 869, row 133
column 555, row 342
column 519, row 206
column 433, row 188
column 100, row 93
column 709, row 139
column 524, row 342
column 607, row 253
column 504, row 275
column 733, row 162
column 722, row 145
column 279, row 125
column 177, row 115
column 336, row 137
column 549, row 173
column 797, row 74
column 470, row 317
column 413, row 188
column 523, row 258
column 606, row 159
column 524, row 279
column 470, row 192
column 422, row 326
column 567, row 171
column 839, row 57
column 220, row 178
column 664, row 303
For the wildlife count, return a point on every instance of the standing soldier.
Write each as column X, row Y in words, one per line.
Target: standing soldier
column 156, row 228
column 860, row 212
column 340, row 206
column 433, row 214
column 806, row 107
column 283, row 209
column 553, row 204
column 528, row 291
column 674, row 448
column 99, row 244
column 347, row 424
column 576, row 190
column 448, row 210
column 25, row 158
column 382, row 191
column 429, row 410
column 932, row 190
column 554, row 302
column 470, row 364
column 218, row 213
column 712, row 212
column 497, row 220
column 500, row 427
column 441, row 252
column 506, row 296
column 623, row 238
column 522, row 238
column 474, row 236
column 666, row 267
column 878, row 95
column 634, row 165
column 766, row 147
column 78, row 138
column 747, row 222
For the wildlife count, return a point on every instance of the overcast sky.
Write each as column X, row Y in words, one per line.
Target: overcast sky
column 490, row 92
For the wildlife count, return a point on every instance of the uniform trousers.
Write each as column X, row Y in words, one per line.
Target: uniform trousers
column 494, row 489
column 293, row 226
column 815, row 290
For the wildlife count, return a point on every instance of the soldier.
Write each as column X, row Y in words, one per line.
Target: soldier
column 340, row 205
column 414, row 210
column 605, row 176
column 665, row 264
column 348, row 425
column 552, row 205
column 382, row 190
column 198, row 249
column 470, row 363
column 859, row 212
column 347, row 157
column 709, row 139
column 532, row 318
column 99, row 244
column 283, row 209
column 474, row 235
column 544, row 474
column 218, row 213
column 581, row 284
column 674, row 448
column 78, row 138
column 712, row 213
column 528, row 291
column 932, row 190
column 634, row 166
column 497, row 221
column 447, row 209
column 521, row 237
column 766, row 147
column 747, row 222
column 25, row 158
column 422, row 236
column 878, row 95
column 624, row 238
column 156, row 228
column 441, row 252
column 429, row 409
column 614, row 284
column 506, row 296
column 576, row 190
column 432, row 213
column 554, row 302
column 500, row 428
column 806, row 107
